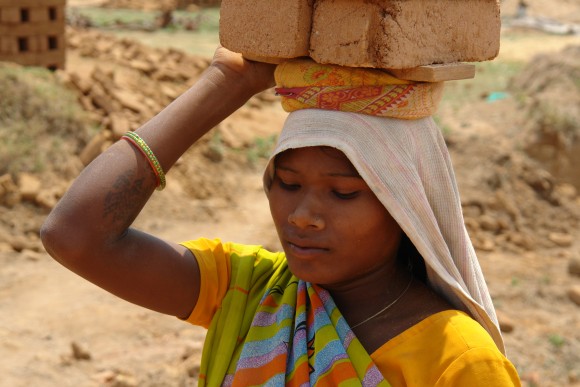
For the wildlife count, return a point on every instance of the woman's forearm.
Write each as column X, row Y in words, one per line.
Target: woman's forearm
column 214, row 97
column 89, row 229
column 109, row 194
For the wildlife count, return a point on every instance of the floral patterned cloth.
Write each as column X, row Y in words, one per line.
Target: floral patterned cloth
column 304, row 84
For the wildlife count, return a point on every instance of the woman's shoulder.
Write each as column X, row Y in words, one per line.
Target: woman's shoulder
column 451, row 328
column 449, row 346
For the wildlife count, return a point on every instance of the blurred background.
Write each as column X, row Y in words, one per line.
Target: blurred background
column 70, row 88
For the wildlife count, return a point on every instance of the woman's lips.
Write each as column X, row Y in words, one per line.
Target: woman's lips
column 305, row 250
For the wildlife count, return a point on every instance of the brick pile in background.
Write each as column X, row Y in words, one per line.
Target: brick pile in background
column 136, row 83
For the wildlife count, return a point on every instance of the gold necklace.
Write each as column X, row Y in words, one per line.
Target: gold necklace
column 386, row 307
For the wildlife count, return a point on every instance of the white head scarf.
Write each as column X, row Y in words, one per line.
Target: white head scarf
column 407, row 165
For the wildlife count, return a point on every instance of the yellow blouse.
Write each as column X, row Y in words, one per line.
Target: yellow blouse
column 446, row 349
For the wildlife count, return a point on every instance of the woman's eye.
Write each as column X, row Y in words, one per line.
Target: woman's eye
column 345, row 195
column 288, row 187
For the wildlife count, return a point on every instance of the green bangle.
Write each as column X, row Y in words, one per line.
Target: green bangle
column 140, row 144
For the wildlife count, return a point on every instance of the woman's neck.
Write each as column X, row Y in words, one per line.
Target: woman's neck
column 385, row 303
column 364, row 296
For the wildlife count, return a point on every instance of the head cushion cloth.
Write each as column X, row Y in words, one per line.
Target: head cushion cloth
column 407, row 165
column 305, row 84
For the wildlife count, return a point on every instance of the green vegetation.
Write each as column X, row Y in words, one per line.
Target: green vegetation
column 205, row 20
column 216, row 148
column 445, row 129
column 202, row 39
column 546, row 280
column 105, row 17
column 560, row 118
column 556, row 340
column 36, row 114
column 262, row 148
column 490, row 77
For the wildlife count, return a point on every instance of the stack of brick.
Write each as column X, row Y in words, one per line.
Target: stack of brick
column 388, row 34
column 32, row 32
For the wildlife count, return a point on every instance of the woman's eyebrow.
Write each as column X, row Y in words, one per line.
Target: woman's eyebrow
column 285, row 168
column 349, row 174
column 344, row 174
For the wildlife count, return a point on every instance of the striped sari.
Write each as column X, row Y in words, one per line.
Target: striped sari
column 296, row 337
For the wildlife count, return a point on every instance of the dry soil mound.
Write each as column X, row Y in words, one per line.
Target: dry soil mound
column 549, row 88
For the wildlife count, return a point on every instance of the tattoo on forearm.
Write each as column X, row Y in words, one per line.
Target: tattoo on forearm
column 125, row 198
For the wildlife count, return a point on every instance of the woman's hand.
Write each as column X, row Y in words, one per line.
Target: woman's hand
column 256, row 76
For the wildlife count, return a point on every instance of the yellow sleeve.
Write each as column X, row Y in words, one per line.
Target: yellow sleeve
column 213, row 259
column 447, row 349
column 480, row 367
column 219, row 263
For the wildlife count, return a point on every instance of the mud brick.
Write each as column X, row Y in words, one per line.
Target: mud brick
column 266, row 28
column 9, row 15
column 8, row 45
column 401, row 34
column 38, row 14
column 33, row 43
column 28, row 29
column 32, row 32
column 31, row 3
column 42, row 43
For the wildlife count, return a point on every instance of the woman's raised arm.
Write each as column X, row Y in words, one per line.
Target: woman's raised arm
column 89, row 229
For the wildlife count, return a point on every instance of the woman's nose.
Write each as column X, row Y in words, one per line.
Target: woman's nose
column 306, row 215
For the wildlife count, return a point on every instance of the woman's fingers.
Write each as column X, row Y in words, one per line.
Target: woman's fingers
column 258, row 76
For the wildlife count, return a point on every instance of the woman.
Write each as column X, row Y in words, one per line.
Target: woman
column 378, row 282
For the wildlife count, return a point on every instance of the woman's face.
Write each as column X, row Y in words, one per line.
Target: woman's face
column 331, row 225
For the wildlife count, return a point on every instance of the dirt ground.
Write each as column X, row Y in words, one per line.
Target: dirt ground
column 58, row 330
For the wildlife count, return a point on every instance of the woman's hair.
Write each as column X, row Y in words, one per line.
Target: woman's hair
column 409, row 255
